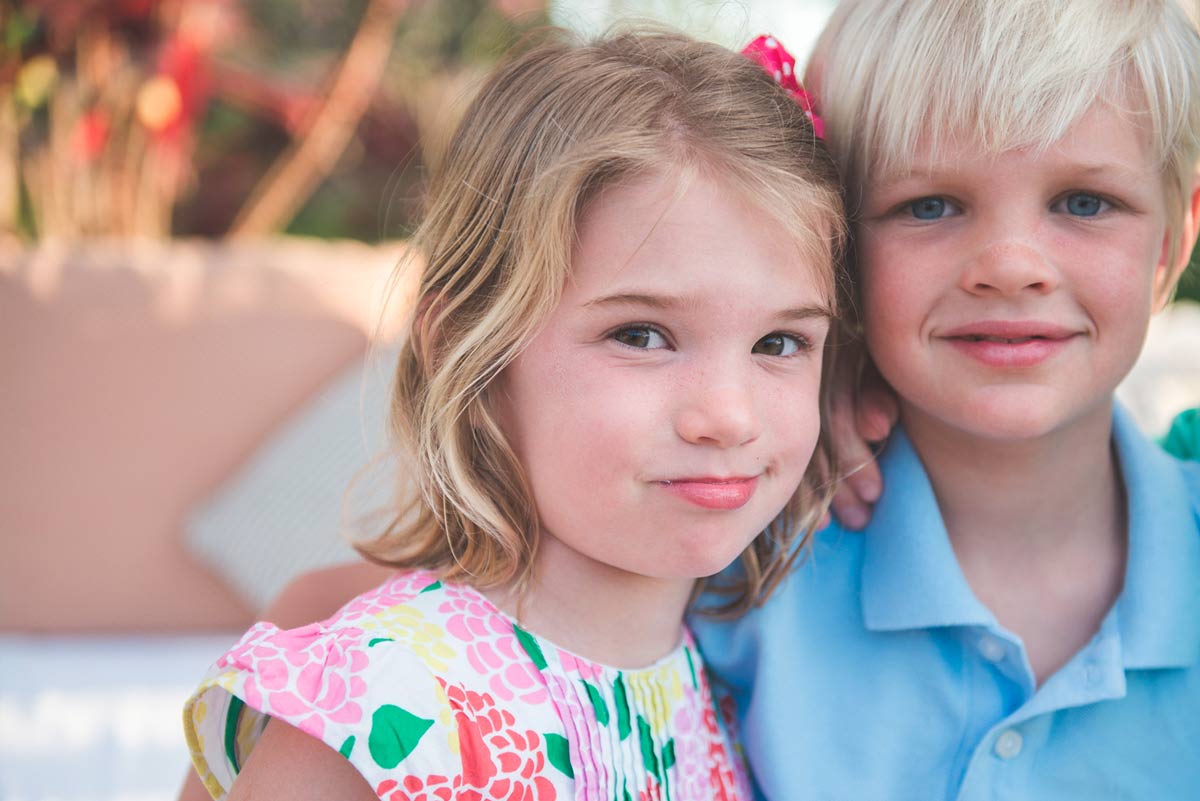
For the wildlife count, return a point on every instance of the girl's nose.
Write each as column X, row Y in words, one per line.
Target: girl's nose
column 718, row 411
column 1009, row 268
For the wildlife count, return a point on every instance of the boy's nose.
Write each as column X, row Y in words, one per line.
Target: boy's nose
column 717, row 410
column 1009, row 268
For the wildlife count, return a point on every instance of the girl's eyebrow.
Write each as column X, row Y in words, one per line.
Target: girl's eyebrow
column 667, row 302
column 636, row 299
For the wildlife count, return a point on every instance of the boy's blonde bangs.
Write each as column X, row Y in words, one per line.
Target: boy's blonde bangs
column 896, row 75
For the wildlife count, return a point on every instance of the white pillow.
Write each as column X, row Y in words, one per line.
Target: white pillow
column 288, row 509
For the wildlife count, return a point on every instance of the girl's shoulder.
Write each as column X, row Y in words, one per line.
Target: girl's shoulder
column 397, row 681
column 426, row 684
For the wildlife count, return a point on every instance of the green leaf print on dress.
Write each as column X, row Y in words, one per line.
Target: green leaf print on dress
column 395, row 732
column 531, row 647
column 506, row 715
column 621, row 701
column 558, row 752
column 597, row 700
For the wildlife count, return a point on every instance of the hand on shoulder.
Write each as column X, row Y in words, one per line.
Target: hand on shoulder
column 862, row 412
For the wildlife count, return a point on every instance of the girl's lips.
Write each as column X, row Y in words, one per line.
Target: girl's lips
column 713, row 493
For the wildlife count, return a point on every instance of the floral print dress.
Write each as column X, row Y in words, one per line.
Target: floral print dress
column 432, row 693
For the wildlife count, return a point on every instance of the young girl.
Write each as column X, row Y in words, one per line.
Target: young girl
column 610, row 390
column 1021, row 618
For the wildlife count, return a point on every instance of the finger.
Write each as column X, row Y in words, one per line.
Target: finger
column 877, row 409
column 860, row 485
column 873, row 422
column 866, row 482
column 849, row 510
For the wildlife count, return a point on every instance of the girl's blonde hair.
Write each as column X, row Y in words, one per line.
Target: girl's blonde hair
column 557, row 123
column 893, row 74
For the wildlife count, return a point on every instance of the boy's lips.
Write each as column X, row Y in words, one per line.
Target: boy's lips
column 712, row 492
column 1015, row 344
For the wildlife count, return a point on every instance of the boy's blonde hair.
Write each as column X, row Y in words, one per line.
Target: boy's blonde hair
column 555, row 125
column 1007, row 73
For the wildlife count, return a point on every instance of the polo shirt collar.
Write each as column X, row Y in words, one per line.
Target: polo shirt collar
column 1159, row 609
column 910, row 576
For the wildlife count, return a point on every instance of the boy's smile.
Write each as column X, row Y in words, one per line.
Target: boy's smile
column 1007, row 295
column 1010, row 343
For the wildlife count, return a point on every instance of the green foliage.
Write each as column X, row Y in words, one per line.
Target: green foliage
column 1189, row 285
column 195, row 109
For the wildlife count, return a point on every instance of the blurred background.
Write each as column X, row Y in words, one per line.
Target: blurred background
column 202, row 203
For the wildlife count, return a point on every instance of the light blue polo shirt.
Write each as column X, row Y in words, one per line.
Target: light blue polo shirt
column 875, row 673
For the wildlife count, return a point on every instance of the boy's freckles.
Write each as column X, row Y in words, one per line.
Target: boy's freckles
column 1006, row 295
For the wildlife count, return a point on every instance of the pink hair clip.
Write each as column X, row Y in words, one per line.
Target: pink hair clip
column 768, row 53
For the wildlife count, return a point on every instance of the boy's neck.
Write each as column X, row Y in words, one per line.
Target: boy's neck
column 1035, row 490
column 1038, row 527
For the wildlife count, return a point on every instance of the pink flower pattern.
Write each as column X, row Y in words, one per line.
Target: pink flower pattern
column 307, row 673
column 492, row 647
column 433, row 693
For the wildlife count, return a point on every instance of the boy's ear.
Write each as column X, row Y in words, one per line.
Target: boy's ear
column 1167, row 275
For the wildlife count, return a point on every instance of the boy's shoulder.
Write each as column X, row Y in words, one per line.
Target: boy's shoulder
column 1160, row 475
column 1191, row 477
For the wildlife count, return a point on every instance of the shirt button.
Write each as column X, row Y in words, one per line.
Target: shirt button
column 991, row 649
column 1009, row 743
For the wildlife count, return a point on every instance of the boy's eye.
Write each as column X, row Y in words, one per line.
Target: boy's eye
column 781, row 345
column 639, row 336
column 1083, row 204
column 931, row 208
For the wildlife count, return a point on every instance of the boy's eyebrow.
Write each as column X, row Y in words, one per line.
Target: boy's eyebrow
column 1112, row 168
column 667, row 302
column 936, row 171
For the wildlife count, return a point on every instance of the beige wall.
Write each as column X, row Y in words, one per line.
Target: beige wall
column 133, row 379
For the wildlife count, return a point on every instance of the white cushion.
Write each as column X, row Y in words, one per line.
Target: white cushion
column 326, row 470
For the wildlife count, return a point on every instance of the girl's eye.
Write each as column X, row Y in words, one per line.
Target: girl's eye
column 931, row 208
column 781, row 345
column 639, row 336
column 1084, row 204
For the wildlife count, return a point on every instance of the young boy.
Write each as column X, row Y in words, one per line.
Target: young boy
column 1021, row 617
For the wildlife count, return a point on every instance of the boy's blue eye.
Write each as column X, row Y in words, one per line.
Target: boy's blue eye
column 639, row 336
column 931, row 208
column 779, row 344
column 1082, row 204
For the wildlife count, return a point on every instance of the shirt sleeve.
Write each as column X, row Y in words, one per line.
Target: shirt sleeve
column 370, row 698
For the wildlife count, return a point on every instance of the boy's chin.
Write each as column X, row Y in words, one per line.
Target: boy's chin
column 1013, row 420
